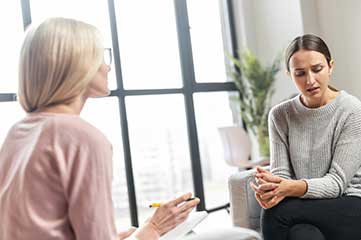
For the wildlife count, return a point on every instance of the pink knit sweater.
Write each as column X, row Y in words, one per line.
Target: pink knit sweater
column 55, row 180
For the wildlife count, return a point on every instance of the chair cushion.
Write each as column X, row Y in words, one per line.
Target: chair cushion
column 232, row 233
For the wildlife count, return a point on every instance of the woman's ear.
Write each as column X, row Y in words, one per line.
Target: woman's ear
column 330, row 65
column 288, row 73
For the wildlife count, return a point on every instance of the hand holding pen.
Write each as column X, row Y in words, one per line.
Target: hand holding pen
column 170, row 214
column 159, row 204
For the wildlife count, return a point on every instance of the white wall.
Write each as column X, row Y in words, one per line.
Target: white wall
column 267, row 27
column 339, row 24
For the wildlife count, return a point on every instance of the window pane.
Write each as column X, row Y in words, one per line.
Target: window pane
column 103, row 113
column 94, row 12
column 207, row 43
column 11, row 112
column 159, row 148
column 148, row 44
column 213, row 110
column 11, row 25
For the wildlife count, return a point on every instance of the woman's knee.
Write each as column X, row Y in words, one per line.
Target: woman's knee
column 283, row 212
column 300, row 231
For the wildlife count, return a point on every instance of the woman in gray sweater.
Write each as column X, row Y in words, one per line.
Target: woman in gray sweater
column 313, row 190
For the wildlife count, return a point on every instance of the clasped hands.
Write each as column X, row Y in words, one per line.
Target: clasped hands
column 270, row 189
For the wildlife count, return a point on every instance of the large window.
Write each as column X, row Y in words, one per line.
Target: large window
column 169, row 94
column 148, row 44
column 10, row 12
column 159, row 148
column 207, row 41
column 94, row 12
column 213, row 111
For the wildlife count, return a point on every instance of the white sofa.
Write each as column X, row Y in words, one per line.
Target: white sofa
column 245, row 210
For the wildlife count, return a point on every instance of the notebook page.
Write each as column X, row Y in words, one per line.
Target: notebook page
column 182, row 229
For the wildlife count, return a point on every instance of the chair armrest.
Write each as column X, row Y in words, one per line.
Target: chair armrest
column 245, row 210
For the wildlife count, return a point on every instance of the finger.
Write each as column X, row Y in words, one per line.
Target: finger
column 265, row 187
column 180, row 199
column 268, row 195
column 260, row 181
column 269, row 177
column 273, row 202
column 255, row 188
column 183, row 215
column 259, row 200
column 189, row 205
column 261, row 170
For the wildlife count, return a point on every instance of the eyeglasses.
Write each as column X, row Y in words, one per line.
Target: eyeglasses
column 107, row 56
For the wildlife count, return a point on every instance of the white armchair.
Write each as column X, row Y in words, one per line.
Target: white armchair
column 245, row 210
column 237, row 148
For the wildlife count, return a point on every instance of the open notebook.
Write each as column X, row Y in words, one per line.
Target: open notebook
column 182, row 229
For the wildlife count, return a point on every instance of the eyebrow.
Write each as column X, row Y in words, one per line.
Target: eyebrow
column 315, row 65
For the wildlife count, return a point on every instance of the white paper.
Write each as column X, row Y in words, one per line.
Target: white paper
column 182, row 229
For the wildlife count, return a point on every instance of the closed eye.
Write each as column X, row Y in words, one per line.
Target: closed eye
column 317, row 69
column 299, row 73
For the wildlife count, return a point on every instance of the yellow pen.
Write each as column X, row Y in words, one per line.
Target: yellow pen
column 158, row 204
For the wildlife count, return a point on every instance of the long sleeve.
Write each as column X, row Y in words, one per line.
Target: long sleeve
column 318, row 145
column 279, row 150
column 346, row 161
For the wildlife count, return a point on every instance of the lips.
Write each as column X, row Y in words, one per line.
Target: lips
column 313, row 89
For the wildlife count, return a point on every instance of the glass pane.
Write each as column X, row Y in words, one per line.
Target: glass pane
column 94, row 12
column 11, row 112
column 103, row 113
column 159, row 148
column 148, row 44
column 207, row 42
column 213, row 110
column 11, row 25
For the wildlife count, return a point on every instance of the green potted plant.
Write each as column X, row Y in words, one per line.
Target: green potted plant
column 255, row 83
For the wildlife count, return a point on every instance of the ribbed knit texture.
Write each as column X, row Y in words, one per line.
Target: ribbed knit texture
column 320, row 145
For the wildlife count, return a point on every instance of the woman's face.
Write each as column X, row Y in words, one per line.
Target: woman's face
column 311, row 74
column 98, row 86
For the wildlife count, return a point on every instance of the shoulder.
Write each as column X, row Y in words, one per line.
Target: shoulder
column 282, row 110
column 73, row 128
column 350, row 104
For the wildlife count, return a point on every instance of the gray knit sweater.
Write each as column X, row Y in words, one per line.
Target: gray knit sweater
column 321, row 145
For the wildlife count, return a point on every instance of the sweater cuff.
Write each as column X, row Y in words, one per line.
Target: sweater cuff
column 312, row 189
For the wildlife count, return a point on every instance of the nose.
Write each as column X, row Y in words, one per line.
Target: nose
column 310, row 78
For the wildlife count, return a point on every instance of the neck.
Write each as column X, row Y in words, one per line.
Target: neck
column 74, row 107
column 327, row 97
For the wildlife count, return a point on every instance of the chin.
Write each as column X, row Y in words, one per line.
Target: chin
column 107, row 93
column 100, row 94
column 104, row 94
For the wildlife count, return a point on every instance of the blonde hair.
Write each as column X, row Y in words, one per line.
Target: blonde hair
column 58, row 59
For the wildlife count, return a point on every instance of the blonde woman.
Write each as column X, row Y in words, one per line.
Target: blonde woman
column 55, row 168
